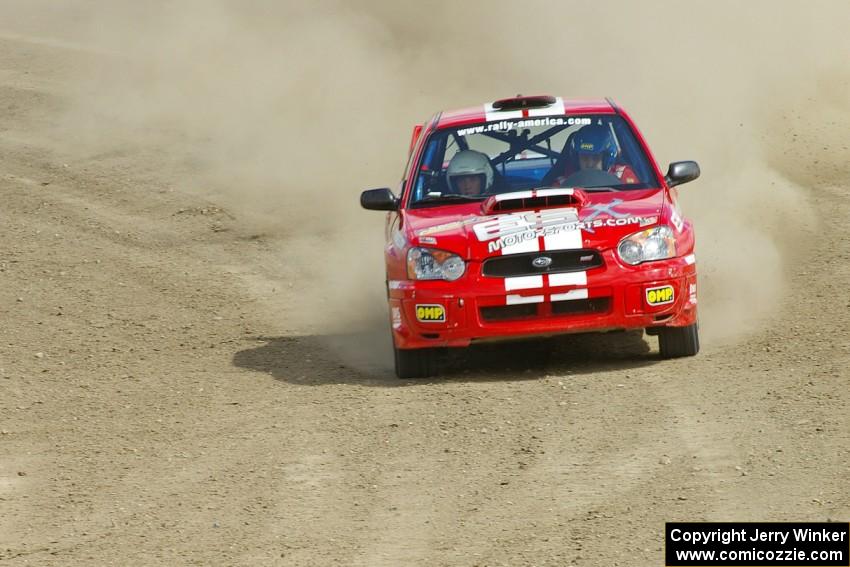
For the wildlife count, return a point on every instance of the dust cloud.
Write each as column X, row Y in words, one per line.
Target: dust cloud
column 287, row 111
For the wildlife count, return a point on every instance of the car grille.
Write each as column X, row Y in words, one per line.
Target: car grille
column 594, row 305
column 571, row 307
column 521, row 264
column 508, row 312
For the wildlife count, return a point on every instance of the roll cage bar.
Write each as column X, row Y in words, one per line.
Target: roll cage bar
column 518, row 143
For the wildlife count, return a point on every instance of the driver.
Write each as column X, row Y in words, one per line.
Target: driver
column 593, row 148
column 469, row 174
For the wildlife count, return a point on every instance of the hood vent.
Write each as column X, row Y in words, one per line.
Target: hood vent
column 532, row 200
column 534, row 203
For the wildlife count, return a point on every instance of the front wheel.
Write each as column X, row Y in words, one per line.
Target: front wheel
column 416, row 363
column 676, row 342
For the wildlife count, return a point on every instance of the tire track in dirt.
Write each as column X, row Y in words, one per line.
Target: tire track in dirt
column 593, row 444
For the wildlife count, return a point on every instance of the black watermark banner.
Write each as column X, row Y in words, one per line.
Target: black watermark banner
column 757, row 544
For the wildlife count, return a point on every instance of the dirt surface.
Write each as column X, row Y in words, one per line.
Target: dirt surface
column 164, row 399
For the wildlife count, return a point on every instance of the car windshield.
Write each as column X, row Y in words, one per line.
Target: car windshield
column 470, row 163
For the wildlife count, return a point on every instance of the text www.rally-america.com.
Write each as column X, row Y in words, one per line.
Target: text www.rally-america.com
column 505, row 125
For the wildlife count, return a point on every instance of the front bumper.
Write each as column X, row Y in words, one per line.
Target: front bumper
column 479, row 308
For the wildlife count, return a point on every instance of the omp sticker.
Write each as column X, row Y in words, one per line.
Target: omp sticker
column 693, row 293
column 430, row 313
column 396, row 317
column 427, row 240
column 690, row 259
column 660, row 295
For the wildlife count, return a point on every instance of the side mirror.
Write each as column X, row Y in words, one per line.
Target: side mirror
column 681, row 172
column 379, row 200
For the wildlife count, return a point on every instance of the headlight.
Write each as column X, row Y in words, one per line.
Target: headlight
column 656, row 243
column 431, row 264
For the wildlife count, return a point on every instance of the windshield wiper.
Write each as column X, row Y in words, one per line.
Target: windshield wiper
column 437, row 199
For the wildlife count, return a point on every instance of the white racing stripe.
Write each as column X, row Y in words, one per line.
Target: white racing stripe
column 563, row 240
column 559, row 239
column 514, row 195
column 570, row 278
column 523, row 282
column 554, row 109
column 555, row 192
column 491, row 114
column 519, row 299
column 531, row 245
column 572, row 294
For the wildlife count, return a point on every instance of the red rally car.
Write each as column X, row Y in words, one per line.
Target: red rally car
column 535, row 216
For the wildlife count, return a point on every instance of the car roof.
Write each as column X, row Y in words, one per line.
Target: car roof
column 522, row 107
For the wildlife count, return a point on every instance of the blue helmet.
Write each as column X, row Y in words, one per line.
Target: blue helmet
column 594, row 139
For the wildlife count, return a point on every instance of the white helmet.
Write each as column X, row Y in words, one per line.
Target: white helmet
column 470, row 162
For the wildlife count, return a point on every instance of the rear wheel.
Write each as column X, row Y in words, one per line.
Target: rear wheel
column 416, row 363
column 675, row 342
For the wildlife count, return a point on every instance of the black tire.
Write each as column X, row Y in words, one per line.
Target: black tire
column 416, row 363
column 676, row 342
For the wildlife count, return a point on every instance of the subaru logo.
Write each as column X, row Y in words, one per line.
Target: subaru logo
column 541, row 262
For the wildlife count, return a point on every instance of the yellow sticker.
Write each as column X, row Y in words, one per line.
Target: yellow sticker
column 586, row 146
column 430, row 313
column 660, row 295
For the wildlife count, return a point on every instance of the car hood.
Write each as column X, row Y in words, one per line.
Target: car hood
column 534, row 220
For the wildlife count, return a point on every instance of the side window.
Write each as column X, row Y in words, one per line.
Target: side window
column 630, row 152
